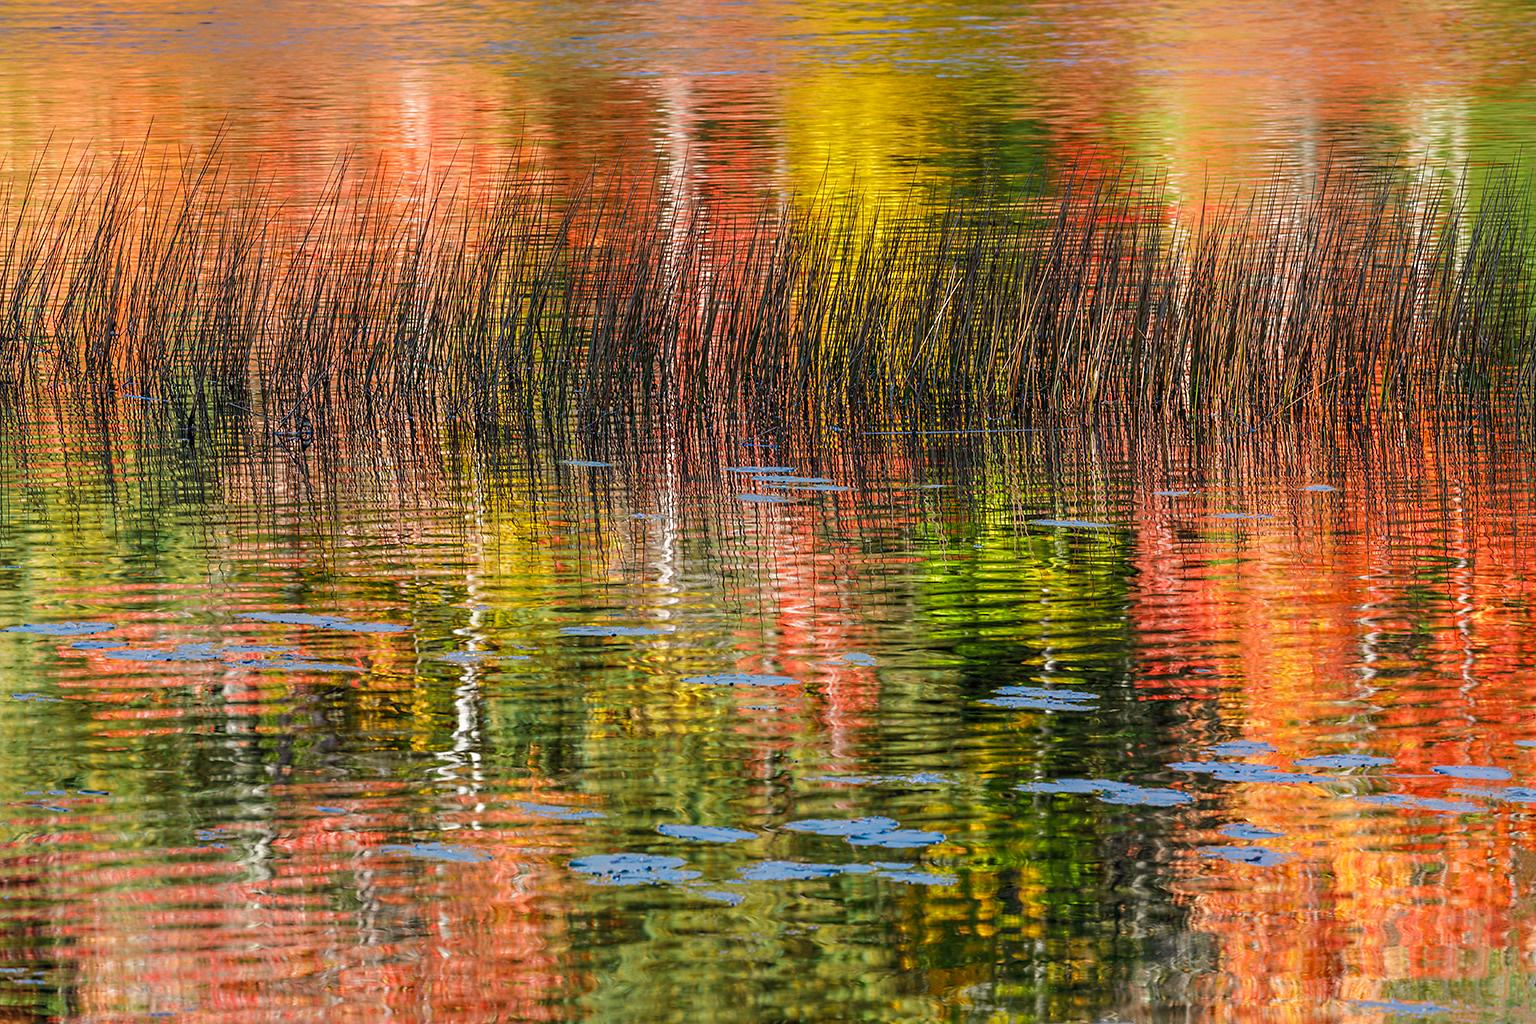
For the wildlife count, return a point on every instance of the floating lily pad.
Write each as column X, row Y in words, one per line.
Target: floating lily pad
column 843, row 827
column 773, row 478
column 741, row 679
column 1143, row 796
column 706, row 833
column 1241, row 748
column 95, row 645
column 610, row 630
column 183, row 652
column 1343, row 761
column 725, row 896
column 1062, row 786
column 1226, row 771
column 917, row 877
column 1397, row 1006
column 797, row 871
column 1257, row 855
column 61, row 628
column 1072, row 524
column 1242, row 515
column 1480, row 773
column 764, row 499
column 1525, row 743
column 1319, row 488
column 585, row 464
column 1244, row 831
column 912, row 779
column 41, row 698
column 300, row 665
column 633, row 869
column 1172, row 494
column 1111, row 792
column 898, row 839
column 557, row 812
column 858, row 658
column 324, row 622
column 759, row 470
column 1402, row 801
column 437, row 851
column 1038, row 698
column 1503, row 794
column 1036, row 704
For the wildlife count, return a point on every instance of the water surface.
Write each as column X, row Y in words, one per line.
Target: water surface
column 467, row 738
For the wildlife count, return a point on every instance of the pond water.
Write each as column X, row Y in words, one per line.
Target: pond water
column 794, row 722
column 774, row 94
column 1016, row 727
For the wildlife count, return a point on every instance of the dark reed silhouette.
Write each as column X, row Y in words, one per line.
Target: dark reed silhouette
column 514, row 296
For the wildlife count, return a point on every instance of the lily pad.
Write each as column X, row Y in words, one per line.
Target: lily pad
column 1503, row 794
column 1397, row 1006
column 912, row 779
column 1038, row 698
column 917, row 877
column 741, row 679
column 324, row 622
column 610, row 630
column 843, row 827
column 1480, row 773
column 585, row 463
column 556, row 812
column 437, row 851
column 1111, row 792
column 706, row 833
column 184, row 652
column 61, row 628
column 779, row 479
column 1226, row 771
column 633, row 869
column 1434, row 805
column 764, row 499
column 1256, row 855
column 1072, row 524
column 1343, row 761
column 797, row 871
column 1241, row 748
column 759, row 470
column 1062, row 786
column 300, row 665
column 1245, row 831
column 898, row 839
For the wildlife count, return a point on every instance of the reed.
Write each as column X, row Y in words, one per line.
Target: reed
column 512, row 297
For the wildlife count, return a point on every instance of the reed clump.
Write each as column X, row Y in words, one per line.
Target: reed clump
column 512, row 295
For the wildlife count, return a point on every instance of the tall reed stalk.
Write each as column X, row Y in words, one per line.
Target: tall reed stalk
column 491, row 299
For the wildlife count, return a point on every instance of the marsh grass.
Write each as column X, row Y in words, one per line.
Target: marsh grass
column 514, row 298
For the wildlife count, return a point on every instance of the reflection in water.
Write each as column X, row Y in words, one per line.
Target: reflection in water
column 968, row 766
column 738, row 720
column 777, row 94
